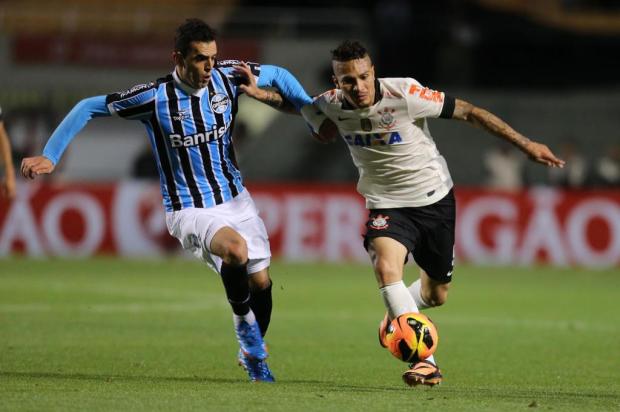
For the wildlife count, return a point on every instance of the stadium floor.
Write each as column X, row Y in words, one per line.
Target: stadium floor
column 109, row 334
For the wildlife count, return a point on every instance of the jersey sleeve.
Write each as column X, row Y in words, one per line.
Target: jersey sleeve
column 288, row 86
column 86, row 110
column 135, row 104
column 226, row 68
column 423, row 102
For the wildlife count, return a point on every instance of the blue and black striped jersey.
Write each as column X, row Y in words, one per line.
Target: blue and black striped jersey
column 190, row 131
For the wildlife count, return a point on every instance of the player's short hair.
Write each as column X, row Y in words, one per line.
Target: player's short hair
column 349, row 50
column 192, row 30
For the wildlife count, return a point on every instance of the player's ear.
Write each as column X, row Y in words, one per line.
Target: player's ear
column 335, row 80
column 177, row 57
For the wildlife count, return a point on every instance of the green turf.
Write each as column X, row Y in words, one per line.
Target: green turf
column 131, row 335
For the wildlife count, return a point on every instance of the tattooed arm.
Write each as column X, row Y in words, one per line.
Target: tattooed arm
column 271, row 98
column 274, row 99
column 538, row 152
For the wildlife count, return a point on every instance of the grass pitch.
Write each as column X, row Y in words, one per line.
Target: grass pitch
column 110, row 334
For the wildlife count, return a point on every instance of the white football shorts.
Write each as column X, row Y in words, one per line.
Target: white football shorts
column 195, row 228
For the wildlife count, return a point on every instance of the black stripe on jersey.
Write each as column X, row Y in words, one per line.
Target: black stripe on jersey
column 204, row 150
column 135, row 111
column 162, row 153
column 219, row 119
column 449, row 104
column 231, row 147
column 177, row 128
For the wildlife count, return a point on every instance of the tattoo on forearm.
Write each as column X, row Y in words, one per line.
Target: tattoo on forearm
column 273, row 99
column 498, row 127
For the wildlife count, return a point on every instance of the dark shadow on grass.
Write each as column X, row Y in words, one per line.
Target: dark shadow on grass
column 526, row 393
column 330, row 386
column 115, row 378
column 321, row 385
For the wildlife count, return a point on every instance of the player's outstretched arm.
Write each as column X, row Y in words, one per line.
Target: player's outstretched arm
column 7, row 186
column 297, row 100
column 70, row 126
column 538, row 152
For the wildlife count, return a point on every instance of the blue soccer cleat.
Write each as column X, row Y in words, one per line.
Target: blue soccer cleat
column 257, row 370
column 251, row 341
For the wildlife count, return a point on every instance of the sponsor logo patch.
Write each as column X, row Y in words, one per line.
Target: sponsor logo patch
column 135, row 89
column 180, row 115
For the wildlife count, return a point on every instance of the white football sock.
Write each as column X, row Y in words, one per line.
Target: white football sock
column 397, row 299
column 416, row 292
column 248, row 317
column 431, row 359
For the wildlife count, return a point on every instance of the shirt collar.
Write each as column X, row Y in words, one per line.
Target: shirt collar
column 186, row 87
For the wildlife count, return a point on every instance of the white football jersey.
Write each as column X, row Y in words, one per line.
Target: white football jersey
column 398, row 162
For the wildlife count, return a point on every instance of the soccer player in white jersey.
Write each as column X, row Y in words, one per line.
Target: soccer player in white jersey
column 189, row 116
column 7, row 184
column 404, row 179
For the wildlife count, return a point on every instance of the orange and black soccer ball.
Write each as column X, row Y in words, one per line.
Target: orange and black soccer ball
column 412, row 337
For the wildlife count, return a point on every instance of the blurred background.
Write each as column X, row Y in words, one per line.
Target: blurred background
column 548, row 67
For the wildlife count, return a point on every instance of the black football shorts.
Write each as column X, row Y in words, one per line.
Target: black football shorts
column 427, row 232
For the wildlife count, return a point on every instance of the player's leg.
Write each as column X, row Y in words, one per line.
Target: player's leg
column 210, row 236
column 261, row 305
column 388, row 239
column 434, row 253
column 388, row 256
column 231, row 247
column 260, row 298
column 251, row 227
column 428, row 292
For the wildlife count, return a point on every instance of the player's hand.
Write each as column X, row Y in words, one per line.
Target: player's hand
column 328, row 132
column 34, row 166
column 248, row 85
column 540, row 153
column 7, row 186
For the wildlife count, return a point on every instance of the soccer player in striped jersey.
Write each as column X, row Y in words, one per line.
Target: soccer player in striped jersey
column 404, row 179
column 189, row 117
column 7, row 185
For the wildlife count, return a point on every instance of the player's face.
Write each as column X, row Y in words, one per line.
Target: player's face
column 195, row 68
column 356, row 79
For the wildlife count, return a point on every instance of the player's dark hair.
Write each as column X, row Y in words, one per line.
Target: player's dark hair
column 192, row 30
column 349, row 50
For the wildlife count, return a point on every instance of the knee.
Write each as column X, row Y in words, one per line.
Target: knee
column 436, row 296
column 258, row 283
column 387, row 272
column 235, row 252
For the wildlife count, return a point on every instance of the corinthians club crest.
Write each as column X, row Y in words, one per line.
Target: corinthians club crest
column 387, row 120
column 379, row 222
